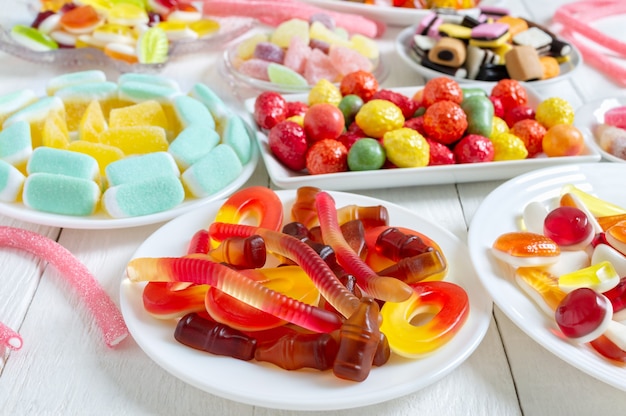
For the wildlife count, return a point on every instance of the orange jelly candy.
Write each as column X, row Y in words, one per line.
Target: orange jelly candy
column 521, row 249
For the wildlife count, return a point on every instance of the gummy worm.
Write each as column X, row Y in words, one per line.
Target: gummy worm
column 234, row 283
column 9, row 338
column 306, row 257
column 106, row 313
column 380, row 287
column 273, row 12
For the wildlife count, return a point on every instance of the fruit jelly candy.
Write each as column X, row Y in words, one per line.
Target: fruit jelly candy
column 137, row 91
column 77, row 97
column 380, row 287
column 32, row 39
column 396, row 245
column 211, row 100
column 604, row 252
column 599, row 277
column 607, row 221
column 63, row 162
column 451, row 305
column 365, row 46
column 35, row 114
column 217, row 169
column 47, row 21
column 203, row 334
column 135, row 140
column 138, row 168
column 103, row 153
column 358, row 341
column 146, row 113
column 285, row 76
column 92, row 123
column 55, row 132
column 160, row 301
column 429, row 265
column 583, row 314
column 191, row 111
column 255, row 68
column 236, row 133
column 144, row 197
column 268, row 51
column 347, row 60
column 74, row 78
column 245, row 48
column 608, row 349
column 568, row 226
column 61, row 194
column 242, row 253
column 115, row 33
column 283, row 34
column 185, row 13
column 318, row 31
column 121, row 52
column 11, row 182
column 616, row 117
column 176, row 31
column 205, row 27
column 254, row 202
column 15, row 144
column 354, row 233
column 107, row 315
column 521, row 249
column 616, row 236
column 15, row 101
column 319, row 66
column 297, row 54
column 127, row 14
column 81, row 20
column 541, row 286
column 598, row 206
column 299, row 350
column 192, row 144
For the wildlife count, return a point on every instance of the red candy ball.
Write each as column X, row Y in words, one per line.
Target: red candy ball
column 323, row 121
column 327, row 156
column 445, row 121
column 567, row 225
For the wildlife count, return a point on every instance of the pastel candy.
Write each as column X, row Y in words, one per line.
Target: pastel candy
column 35, row 114
column 77, row 97
column 15, row 144
column 134, row 140
column 11, row 182
column 523, row 64
column 139, row 168
column 143, row 197
column 490, row 35
column 62, row 162
column 213, row 172
column 74, row 78
column 33, row 39
column 236, row 134
column 214, row 103
column 60, row 194
column 15, row 101
column 192, row 144
column 616, row 117
column 191, row 111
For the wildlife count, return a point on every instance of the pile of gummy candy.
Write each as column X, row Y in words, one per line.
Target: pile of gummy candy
column 340, row 286
column 357, row 126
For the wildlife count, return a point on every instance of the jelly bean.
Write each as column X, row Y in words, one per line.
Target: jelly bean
column 430, row 265
column 203, row 334
column 569, row 227
column 256, row 202
column 380, row 287
column 616, row 236
column 480, row 112
column 450, row 306
column 599, row 277
column 163, row 302
column 541, row 286
column 299, row 350
column 201, row 271
column 314, row 266
column 359, row 337
column 583, row 315
column 241, row 253
column 526, row 249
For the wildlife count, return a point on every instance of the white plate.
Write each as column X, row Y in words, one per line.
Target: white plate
column 500, row 212
column 591, row 114
column 403, row 47
column 268, row 386
column 100, row 220
column 393, row 16
column 431, row 175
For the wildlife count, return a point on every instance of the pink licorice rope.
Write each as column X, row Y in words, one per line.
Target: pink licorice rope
column 105, row 312
column 575, row 17
column 9, row 338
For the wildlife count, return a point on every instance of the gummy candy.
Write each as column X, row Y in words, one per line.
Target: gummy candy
column 299, row 350
column 164, row 302
column 241, row 253
column 568, row 226
column 526, row 249
column 600, row 277
column 541, row 286
column 583, row 315
column 256, row 202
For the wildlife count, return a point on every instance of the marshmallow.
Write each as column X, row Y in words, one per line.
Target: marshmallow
column 191, row 111
column 60, row 194
column 63, row 162
column 213, row 172
column 192, row 144
column 139, row 168
column 522, row 63
column 15, row 144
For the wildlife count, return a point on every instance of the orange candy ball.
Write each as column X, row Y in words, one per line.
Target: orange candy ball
column 563, row 140
column 441, row 89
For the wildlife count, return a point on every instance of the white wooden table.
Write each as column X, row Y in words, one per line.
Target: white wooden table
column 64, row 367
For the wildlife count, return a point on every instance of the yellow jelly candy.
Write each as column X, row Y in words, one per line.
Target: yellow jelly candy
column 365, row 46
column 92, row 123
column 245, row 49
column 554, row 111
column 376, row 117
column 286, row 30
column 498, row 126
column 324, row 92
column 153, row 46
column 507, row 146
column 55, row 133
column 320, row 32
column 146, row 113
column 406, row 148
column 103, row 153
column 134, row 140
column 204, row 27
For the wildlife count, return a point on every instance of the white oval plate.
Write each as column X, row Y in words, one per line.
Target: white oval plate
column 500, row 212
column 430, row 175
column 258, row 384
column 403, row 47
column 591, row 114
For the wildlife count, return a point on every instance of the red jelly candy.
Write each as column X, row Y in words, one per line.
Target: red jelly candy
column 567, row 225
column 583, row 314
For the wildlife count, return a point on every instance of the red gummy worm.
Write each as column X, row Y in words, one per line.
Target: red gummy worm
column 380, row 287
column 106, row 313
column 236, row 284
column 314, row 266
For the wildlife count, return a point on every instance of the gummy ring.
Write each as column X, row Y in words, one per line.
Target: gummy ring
column 448, row 304
column 164, row 302
column 258, row 202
